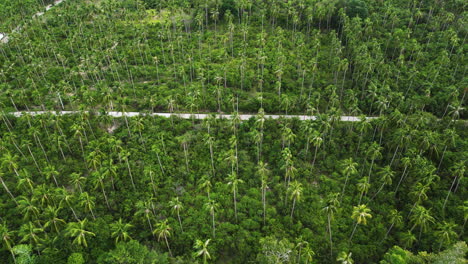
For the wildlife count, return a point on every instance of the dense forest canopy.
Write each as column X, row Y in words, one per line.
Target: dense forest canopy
column 87, row 187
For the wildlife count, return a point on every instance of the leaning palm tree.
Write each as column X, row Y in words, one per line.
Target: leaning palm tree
column 263, row 171
column 295, row 190
column 77, row 231
column 360, row 215
column 176, row 206
column 163, row 230
column 202, row 250
column 120, row 231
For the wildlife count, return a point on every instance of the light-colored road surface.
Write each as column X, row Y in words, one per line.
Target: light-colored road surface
column 4, row 36
column 187, row 115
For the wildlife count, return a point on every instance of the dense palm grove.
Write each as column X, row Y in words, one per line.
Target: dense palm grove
column 90, row 188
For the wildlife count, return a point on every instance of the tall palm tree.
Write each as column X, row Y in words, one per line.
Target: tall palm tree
column 52, row 212
column 176, row 206
column 395, row 219
column 119, row 230
column 349, row 168
column 459, row 171
column 211, row 206
column 263, row 171
column 234, row 182
column 330, row 209
column 77, row 231
column 363, row 187
column 374, row 152
column 386, row 175
column 295, row 190
column 360, row 215
column 205, row 184
column 202, row 250
column 316, row 141
column 163, row 230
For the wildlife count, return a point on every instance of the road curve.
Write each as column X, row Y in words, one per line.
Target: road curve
column 186, row 115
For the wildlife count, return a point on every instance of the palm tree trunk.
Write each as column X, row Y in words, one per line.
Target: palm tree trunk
column 180, row 222
column 167, row 244
column 354, row 230
column 315, row 155
column 213, row 222
column 293, row 205
column 8, row 191
column 131, row 176
column 401, row 179
column 330, row 235
column 235, row 205
column 448, row 194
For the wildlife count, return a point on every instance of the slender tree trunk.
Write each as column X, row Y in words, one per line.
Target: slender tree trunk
column 180, row 222
column 330, row 235
column 8, row 191
column 167, row 244
column 352, row 234
column 293, row 205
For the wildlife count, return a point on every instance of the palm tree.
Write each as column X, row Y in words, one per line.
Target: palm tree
column 422, row 218
column 202, row 249
column 163, row 230
column 211, row 206
column 387, row 176
column 209, row 140
column 345, row 258
column 176, row 206
column 7, row 238
column 205, row 184
column 30, row 233
column 53, row 219
column 406, row 161
column 263, row 171
column 119, row 230
column 295, row 190
column 446, row 233
column 87, row 202
column 77, row 231
column 360, row 215
column 459, row 171
column 316, row 141
column 143, row 208
column 374, row 152
column 332, row 206
column 77, row 180
column 408, row 239
column 395, row 219
column 363, row 187
column 9, row 161
column 234, row 182
column 349, row 168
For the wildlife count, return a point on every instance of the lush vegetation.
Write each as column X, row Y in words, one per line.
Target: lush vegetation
column 89, row 188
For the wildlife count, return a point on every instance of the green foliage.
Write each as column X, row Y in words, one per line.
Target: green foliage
column 76, row 258
column 132, row 252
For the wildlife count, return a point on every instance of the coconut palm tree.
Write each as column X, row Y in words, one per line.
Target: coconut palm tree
column 459, row 171
column 360, row 215
column 234, row 182
column 445, row 233
column 77, row 231
column 386, row 175
column 363, row 187
column 176, row 206
column 263, row 171
column 295, row 190
column 349, row 168
column 422, row 218
column 163, row 230
column 202, row 250
column 119, row 231
column 395, row 219
column 211, row 206
column 330, row 209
